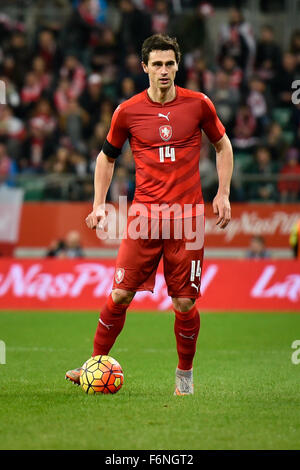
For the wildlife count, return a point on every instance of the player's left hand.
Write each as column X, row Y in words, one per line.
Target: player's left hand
column 221, row 208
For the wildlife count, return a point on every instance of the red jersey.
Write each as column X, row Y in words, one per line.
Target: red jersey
column 165, row 140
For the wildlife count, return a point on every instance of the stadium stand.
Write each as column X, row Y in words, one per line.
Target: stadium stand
column 66, row 65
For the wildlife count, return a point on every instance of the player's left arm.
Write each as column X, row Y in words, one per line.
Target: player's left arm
column 215, row 131
column 224, row 162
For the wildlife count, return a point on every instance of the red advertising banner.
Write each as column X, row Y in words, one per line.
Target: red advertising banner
column 41, row 223
column 227, row 285
column 272, row 221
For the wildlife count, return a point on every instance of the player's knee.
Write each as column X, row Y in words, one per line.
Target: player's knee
column 121, row 296
column 182, row 304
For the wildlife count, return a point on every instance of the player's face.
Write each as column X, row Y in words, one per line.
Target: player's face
column 161, row 68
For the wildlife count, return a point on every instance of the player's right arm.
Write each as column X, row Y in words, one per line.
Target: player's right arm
column 102, row 178
column 104, row 169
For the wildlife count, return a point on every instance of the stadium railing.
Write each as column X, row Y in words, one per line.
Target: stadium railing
column 66, row 187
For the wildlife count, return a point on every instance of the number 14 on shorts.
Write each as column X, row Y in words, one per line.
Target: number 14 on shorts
column 195, row 270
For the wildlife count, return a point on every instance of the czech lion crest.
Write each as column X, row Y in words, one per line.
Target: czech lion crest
column 165, row 132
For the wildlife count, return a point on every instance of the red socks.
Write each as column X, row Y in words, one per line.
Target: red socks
column 112, row 319
column 111, row 322
column 187, row 326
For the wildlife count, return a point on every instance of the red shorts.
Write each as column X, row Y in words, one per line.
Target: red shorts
column 138, row 259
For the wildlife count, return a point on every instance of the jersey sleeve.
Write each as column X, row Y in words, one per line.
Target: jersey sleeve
column 210, row 122
column 117, row 135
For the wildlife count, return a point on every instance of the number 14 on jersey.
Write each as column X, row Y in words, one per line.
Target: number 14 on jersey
column 166, row 152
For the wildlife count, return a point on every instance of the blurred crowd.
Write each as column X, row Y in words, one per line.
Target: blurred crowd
column 68, row 247
column 63, row 84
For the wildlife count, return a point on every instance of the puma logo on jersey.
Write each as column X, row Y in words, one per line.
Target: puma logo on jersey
column 188, row 337
column 196, row 287
column 164, row 116
column 104, row 324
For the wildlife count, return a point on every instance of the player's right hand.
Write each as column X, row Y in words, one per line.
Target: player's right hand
column 96, row 219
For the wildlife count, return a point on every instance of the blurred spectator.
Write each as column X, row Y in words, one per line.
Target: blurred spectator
column 127, row 89
column 56, row 246
column 295, row 121
column 7, row 167
column 257, row 102
column 229, row 66
column 48, row 49
column 283, row 80
column 295, row 46
column 18, row 53
column 12, row 93
column 207, row 170
column 133, row 69
column 75, row 73
column 105, row 51
column 244, row 136
column 39, row 68
column 31, row 90
column 128, row 160
column 289, row 189
column 127, row 187
column 62, row 95
column 268, row 54
column 257, row 248
column 79, row 163
column 91, row 100
column 72, row 123
column 57, row 165
column 294, row 239
column 81, row 26
column 8, row 66
column 44, row 113
column 40, row 141
column 160, row 17
column 190, row 30
column 9, row 25
column 60, row 162
column 238, row 188
column 96, row 142
column 120, row 184
column 106, row 112
column 134, row 28
column 199, row 77
column 263, row 190
column 70, row 247
column 12, row 131
column 225, row 99
column 237, row 40
column 275, row 141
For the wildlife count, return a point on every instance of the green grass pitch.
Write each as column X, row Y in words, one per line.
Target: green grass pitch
column 246, row 387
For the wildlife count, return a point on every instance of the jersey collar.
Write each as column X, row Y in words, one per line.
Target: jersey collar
column 157, row 103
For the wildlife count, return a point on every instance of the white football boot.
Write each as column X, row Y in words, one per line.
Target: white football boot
column 184, row 382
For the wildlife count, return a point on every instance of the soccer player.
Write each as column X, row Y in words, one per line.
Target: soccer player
column 164, row 126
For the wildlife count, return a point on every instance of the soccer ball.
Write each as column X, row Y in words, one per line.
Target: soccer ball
column 101, row 374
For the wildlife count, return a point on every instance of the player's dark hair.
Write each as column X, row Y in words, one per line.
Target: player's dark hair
column 160, row 42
